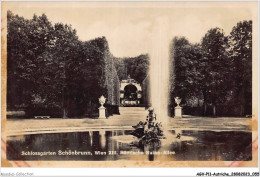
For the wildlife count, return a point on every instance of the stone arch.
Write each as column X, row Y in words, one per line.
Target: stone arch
column 138, row 86
column 130, row 92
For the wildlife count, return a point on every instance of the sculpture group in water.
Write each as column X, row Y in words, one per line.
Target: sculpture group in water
column 150, row 130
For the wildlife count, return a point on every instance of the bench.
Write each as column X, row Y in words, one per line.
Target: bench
column 42, row 117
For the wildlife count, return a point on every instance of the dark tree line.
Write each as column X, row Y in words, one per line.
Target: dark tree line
column 49, row 68
column 135, row 67
column 50, row 71
column 214, row 76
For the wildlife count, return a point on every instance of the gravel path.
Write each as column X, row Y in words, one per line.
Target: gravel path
column 129, row 116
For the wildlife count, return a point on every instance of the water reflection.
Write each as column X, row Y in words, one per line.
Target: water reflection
column 120, row 145
column 102, row 138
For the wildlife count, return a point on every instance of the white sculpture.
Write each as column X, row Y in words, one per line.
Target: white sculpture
column 178, row 101
column 102, row 100
column 102, row 109
column 178, row 108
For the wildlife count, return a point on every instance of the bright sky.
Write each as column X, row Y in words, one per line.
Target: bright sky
column 129, row 27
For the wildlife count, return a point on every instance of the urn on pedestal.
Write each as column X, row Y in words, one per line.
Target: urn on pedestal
column 102, row 109
column 178, row 108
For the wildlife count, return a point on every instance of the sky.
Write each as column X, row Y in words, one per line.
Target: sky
column 130, row 27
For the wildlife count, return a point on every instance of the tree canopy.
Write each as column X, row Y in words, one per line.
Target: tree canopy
column 49, row 67
column 135, row 67
column 216, row 72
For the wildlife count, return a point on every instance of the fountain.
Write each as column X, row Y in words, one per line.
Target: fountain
column 152, row 134
column 159, row 69
column 149, row 134
column 152, row 128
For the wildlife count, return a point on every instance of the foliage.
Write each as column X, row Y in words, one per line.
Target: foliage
column 240, row 52
column 27, row 42
column 218, row 71
column 136, row 67
column 185, row 76
column 49, row 67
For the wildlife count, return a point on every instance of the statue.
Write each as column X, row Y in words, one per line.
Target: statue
column 150, row 130
column 151, row 118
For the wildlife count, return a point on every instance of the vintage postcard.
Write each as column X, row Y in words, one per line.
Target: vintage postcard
column 129, row 84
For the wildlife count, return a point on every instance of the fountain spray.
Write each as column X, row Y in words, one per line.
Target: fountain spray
column 159, row 70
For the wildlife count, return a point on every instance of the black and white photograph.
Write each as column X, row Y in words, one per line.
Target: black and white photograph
column 129, row 84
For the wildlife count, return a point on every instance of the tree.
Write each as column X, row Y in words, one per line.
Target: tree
column 185, row 77
column 240, row 52
column 136, row 67
column 50, row 68
column 139, row 68
column 26, row 42
column 215, row 70
column 65, row 56
column 121, row 68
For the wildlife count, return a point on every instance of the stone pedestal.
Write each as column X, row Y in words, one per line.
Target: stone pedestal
column 178, row 112
column 102, row 112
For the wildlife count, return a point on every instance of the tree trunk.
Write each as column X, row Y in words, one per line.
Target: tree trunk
column 214, row 110
column 204, row 102
column 242, row 102
column 91, row 107
column 65, row 105
column 242, row 110
column 65, row 113
column 205, row 108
